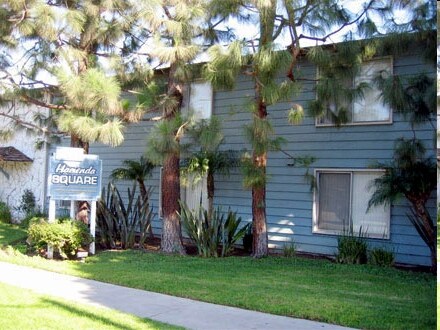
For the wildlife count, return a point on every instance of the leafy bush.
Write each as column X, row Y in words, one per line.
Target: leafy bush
column 352, row 249
column 118, row 224
column 29, row 207
column 5, row 213
column 212, row 234
column 66, row 237
column 28, row 204
column 381, row 257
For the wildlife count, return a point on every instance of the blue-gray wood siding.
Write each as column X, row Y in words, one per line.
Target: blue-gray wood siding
column 289, row 196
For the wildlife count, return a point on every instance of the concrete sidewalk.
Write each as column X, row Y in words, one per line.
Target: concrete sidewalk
column 173, row 310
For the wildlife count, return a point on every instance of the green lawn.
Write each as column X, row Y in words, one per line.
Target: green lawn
column 364, row 296
column 10, row 234
column 438, row 283
column 23, row 309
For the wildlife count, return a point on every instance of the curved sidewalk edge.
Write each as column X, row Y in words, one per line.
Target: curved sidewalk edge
column 188, row 313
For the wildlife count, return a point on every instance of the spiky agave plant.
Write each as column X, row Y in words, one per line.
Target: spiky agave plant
column 139, row 171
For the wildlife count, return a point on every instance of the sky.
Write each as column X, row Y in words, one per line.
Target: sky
column 250, row 31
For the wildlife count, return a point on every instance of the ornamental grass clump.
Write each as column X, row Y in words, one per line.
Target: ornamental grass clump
column 381, row 257
column 352, row 249
column 123, row 223
column 66, row 236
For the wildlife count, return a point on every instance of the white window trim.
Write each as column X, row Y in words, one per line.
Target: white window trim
column 316, row 230
column 187, row 109
column 363, row 123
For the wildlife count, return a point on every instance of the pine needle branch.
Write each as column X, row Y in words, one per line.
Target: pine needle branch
column 27, row 124
column 40, row 103
column 357, row 19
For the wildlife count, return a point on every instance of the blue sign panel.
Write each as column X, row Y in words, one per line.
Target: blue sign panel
column 78, row 179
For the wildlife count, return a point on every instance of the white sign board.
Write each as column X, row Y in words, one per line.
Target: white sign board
column 74, row 175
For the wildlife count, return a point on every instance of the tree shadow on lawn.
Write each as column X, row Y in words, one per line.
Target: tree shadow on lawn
column 83, row 313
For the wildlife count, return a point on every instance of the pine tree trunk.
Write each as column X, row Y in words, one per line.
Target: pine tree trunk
column 260, row 243
column 171, row 232
column 210, row 190
column 260, row 246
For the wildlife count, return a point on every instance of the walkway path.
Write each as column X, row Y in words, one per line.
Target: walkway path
column 178, row 311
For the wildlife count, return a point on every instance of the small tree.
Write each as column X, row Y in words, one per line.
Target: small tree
column 209, row 159
column 413, row 176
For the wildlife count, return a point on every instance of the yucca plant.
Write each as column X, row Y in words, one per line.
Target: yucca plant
column 120, row 222
column 136, row 170
column 202, row 230
column 231, row 232
column 213, row 234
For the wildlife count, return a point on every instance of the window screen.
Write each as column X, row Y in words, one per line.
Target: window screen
column 334, row 201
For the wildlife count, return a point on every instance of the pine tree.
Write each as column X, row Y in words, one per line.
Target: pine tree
column 263, row 61
column 180, row 30
column 63, row 44
column 69, row 53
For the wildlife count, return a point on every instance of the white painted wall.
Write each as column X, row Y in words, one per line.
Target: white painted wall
column 16, row 177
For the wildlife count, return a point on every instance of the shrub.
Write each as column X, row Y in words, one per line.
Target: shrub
column 28, row 204
column 120, row 222
column 381, row 257
column 5, row 213
column 210, row 233
column 248, row 238
column 352, row 249
column 289, row 249
column 66, row 237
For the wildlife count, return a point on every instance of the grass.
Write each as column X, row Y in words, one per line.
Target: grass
column 360, row 296
column 438, row 283
column 10, row 234
column 23, row 309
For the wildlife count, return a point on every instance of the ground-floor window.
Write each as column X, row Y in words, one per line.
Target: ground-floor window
column 341, row 202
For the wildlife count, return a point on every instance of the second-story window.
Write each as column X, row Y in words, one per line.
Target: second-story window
column 198, row 100
column 368, row 108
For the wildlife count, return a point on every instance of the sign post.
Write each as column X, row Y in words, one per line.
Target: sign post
column 74, row 176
